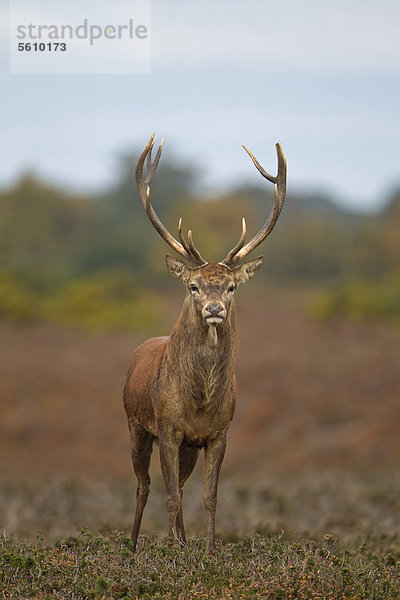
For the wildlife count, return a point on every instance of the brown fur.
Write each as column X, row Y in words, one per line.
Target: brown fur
column 181, row 389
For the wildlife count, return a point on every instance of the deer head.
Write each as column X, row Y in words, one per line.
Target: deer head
column 210, row 286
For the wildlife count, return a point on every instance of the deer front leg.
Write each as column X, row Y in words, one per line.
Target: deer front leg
column 214, row 454
column 141, row 448
column 187, row 462
column 169, row 459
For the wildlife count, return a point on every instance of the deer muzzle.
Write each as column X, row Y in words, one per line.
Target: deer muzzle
column 214, row 314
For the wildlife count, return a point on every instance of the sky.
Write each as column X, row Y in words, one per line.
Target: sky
column 323, row 78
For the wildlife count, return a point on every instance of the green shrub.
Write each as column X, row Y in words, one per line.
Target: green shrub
column 17, row 302
column 361, row 300
column 106, row 300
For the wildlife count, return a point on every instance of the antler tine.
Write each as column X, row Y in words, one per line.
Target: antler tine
column 263, row 172
column 189, row 245
column 238, row 246
column 193, row 250
column 151, row 167
column 140, row 184
column 188, row 251
column 239, row 251
column 183, row 241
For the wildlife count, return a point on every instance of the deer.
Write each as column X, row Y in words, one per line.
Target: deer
column 181, row 390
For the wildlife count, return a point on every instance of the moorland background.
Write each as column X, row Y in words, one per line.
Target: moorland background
column 314, row 446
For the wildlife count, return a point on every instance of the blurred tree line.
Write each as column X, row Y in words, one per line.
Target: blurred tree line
column 97, row 261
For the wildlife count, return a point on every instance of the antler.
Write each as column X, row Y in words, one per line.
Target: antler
column 185, row 249
column 239, row 252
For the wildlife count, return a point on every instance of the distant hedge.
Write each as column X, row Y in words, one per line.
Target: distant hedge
column 105, row 300
column 362, row 300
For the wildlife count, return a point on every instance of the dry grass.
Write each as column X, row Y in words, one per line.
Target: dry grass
column 90, row 566
column 346, row 505
column 322, row 538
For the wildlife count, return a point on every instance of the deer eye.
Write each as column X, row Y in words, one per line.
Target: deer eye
column 194, row 288
column 231, row 288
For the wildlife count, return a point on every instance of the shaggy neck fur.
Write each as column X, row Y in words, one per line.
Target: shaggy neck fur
column 204, row 356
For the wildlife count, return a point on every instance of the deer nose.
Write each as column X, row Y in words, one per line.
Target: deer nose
column 214, row 309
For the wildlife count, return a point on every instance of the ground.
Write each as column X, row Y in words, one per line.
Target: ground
column 309, row 498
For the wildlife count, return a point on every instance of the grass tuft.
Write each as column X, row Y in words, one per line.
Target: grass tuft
column 92, row 566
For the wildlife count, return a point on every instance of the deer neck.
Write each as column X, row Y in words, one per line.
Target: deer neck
column 202, row 360
column 191, row 331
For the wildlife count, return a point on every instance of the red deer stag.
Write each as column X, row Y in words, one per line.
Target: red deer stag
column 181, row 389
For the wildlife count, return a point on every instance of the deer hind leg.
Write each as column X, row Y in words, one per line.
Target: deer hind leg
column 187, row 461
column 141, row 448
column 214, row 454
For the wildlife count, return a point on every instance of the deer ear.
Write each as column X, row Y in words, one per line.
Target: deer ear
column 178, row 268
column 247, row 270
